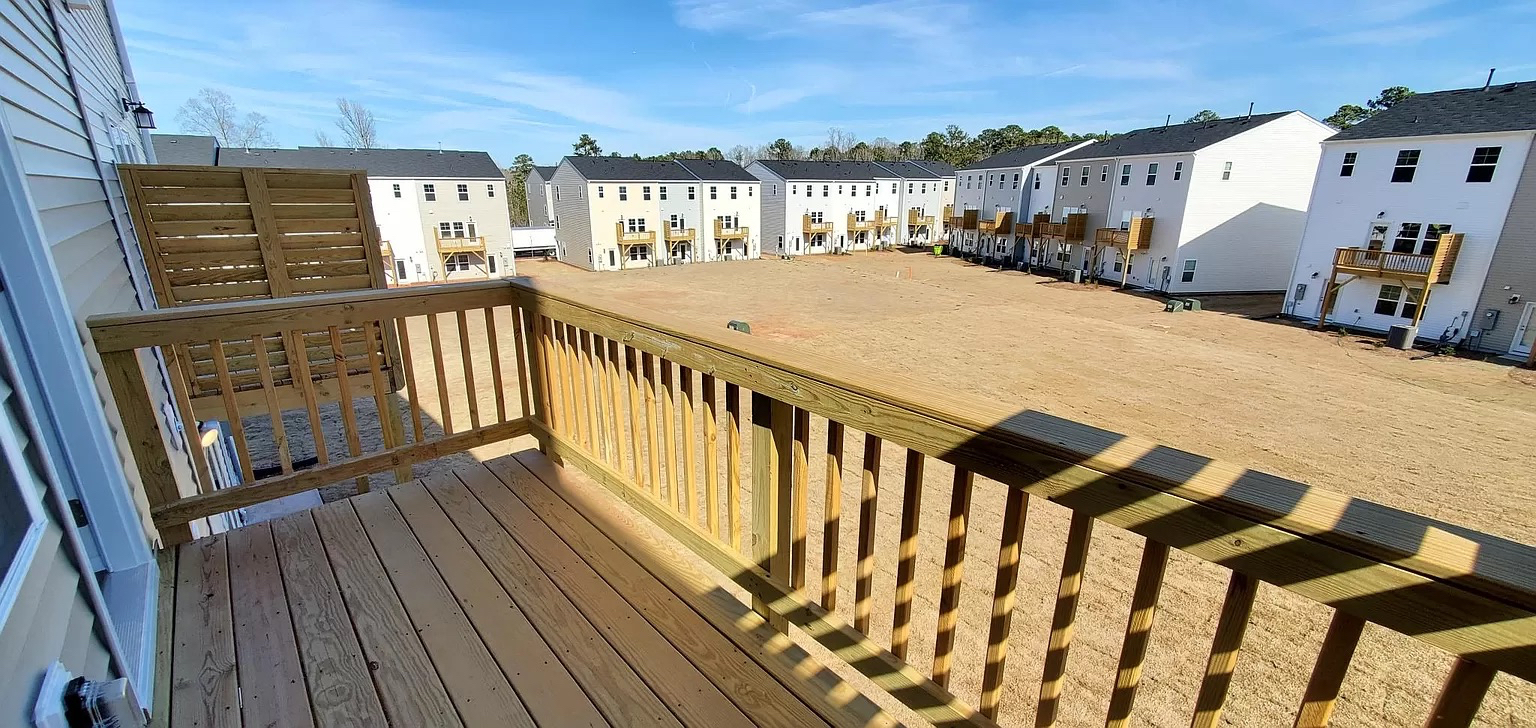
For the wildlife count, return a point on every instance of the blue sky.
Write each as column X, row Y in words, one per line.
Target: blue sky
column 649, row 76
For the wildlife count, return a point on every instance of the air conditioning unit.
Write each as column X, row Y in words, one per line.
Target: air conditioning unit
column 66, row 701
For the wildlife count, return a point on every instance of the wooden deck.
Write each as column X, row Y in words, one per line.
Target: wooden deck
column 505, row 594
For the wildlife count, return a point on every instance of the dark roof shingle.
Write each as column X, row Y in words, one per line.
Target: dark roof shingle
column 909, row 170
column 1505, row 107
column 424, row 163
column 1021, row 157
column 836, row 171
column 544, row 173
column 185, row 149
column 1174, row 139
column 942, row 169
column 717, row 170
column 619, row 169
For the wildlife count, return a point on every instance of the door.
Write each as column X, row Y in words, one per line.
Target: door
column 1525, row 334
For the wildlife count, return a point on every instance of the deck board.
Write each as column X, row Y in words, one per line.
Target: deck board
column 477, row 598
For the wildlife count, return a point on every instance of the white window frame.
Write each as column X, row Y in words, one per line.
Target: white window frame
column 1476, row 166
column 1082, row 180
column 645, row 192
column 396, row 189
column 1226, row 171
column 1178, row 171
column 429, row 192
column 490, row 190
column 1125, row 175
column 1103, row 173
column 1152, row 173
column 1347, row 167
column 463, row 190
column 1187, row 270
column 623, row 193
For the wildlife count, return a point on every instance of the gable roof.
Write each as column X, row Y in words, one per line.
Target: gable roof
column 1505, row 107
column 942, row 169
column 544, row 173
column 185, row 149
column 834, row 171
column 427, row 163
column 716, row 170
column 1174, row 139
column 909, row 170
column 1023, row 156
column 623, row 169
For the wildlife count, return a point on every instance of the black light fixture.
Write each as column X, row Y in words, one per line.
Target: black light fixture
column 143, row 118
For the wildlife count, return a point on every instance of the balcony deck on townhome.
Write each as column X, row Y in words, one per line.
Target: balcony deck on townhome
column 1136, row 236
column 636, row 551
column 671, row 234
column 856, row 223
column 809, row 227
column 916, row 218
column 1073, row 230
column 626, row 238
column 1435, row 267
column 731, row 232
column 1001, row 223
column 450, row 245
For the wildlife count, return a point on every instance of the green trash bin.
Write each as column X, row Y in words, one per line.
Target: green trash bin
column 938, row 249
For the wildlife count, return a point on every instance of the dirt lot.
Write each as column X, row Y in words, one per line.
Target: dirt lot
column 1440, row 436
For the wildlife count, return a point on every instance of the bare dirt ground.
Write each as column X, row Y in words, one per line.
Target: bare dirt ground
column 1440, row 436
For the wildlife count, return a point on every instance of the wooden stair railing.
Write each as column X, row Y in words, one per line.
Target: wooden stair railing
column 1468, row 594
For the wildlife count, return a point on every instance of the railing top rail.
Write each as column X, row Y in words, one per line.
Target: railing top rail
column 1469, row 592
column 126, row 331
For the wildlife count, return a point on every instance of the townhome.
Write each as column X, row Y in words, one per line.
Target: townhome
column 828, row 207
column 613, row 213
column 1204, row 207
column 1005, row 189
column 442, row 214
column 541, row 204
column 922, row 192
column 1424, row 216
column 948, row 187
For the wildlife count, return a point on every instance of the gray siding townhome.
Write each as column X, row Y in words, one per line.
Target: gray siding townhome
column 541, row 211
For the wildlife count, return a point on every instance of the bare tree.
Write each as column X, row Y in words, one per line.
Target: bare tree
column 741, row 155
column 322, row 139
column 357, row 126
column 213, row 112
column 838, row 143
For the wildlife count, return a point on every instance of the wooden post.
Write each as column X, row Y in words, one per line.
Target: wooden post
column 1328, row 295
column 1461, row 696
column 141, row 425
column 772, row 481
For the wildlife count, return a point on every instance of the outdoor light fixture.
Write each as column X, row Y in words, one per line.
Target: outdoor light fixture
column 143, row 118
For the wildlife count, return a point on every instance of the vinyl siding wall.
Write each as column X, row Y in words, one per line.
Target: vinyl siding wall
column 1513, row 272
column 573, row 233
column 775, row 196
column 538, row 200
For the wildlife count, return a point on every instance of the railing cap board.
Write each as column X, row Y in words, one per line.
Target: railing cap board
column 237, row 319
column 1498, row 568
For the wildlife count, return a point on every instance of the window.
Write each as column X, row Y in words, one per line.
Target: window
column 662, row 192
column 1152, row 174
column 490, row 191
column 1015, row 180
column 1407, row 240
column 946, row 185
column 1407, row 163
column 599, row 192
column 1400, row 301
column 490, row 262
column 909, row 188
column 623, row 192
column 1188, row 276
column 1066, row 176
column 1104, row 173
column 1432, row 238
column 853, row 190
column 463, row 193
column 613, row 259
column 924, row 186
column 1484, row 159
column 399, row 270
column 839, row 190
column 678, row 223
column 429, row 191
column 967, row 181
column 1125, row 175
column 1178, row 171
column 396, row 190
column 733, row 192
column 893, row 188
column 772, row 190
column 869, row 190
column 639, row 252
column 1082, row 180
column 826, row 190
column 1347, row 169
column 714, row 192
column 635, row 225
column 749, row 190
column 445, row 229
column 816, row 217
column 456, row 262
column 690, row 192
column 645, row 192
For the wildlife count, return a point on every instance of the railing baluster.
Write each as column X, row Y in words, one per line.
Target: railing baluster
column 532, row 372
column 653, row 459
column 1015, row 513
column 274, row 408
column 689, row 481
column 576, row 365
column 445, row 413
column 615, row 400
column 1328, row 672
column 637, row 434
column 571, row 393
column 593, row 354
column 1138, row 633
column 494, row 348
column 1064, row 621
column 711, row 456
column 669, row 431
column 1461, row 696
column 772, row 430
column 389, row 419
column 348, row 416
column 410, row 378
column 589, row 397
column 800, row 462
column 733, row 463
column 1241, row 590
column 232, row 409
column 864, row 571
column 471, row 392
column 298, row 368
column 906, row 554
column 141, row 427
column 832, row 511
column 954, row 571
column 553, row 378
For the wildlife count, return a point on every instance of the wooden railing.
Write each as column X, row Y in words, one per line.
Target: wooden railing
column 708, row 434
column 478, row 315
column 915, row 217
column 670, row 233
column 811, row 227
column 1436, row 267
column 460, row 245
column 726, row 232
column 854, row 223
column 647, row 237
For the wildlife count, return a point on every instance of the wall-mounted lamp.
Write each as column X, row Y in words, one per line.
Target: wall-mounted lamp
column 1381, row 214
column 143, row 118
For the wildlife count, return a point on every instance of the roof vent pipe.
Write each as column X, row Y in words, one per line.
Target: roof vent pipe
column 1489, row 82
column 1167, row 120
column 1250, row 111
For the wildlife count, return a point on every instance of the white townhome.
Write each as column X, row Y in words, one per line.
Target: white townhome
column 442, row 214
column 1007, row 185
column 541, row 203
column 1425, row 215
column 613, row 213
column 827, row 207
column 1204, row 207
